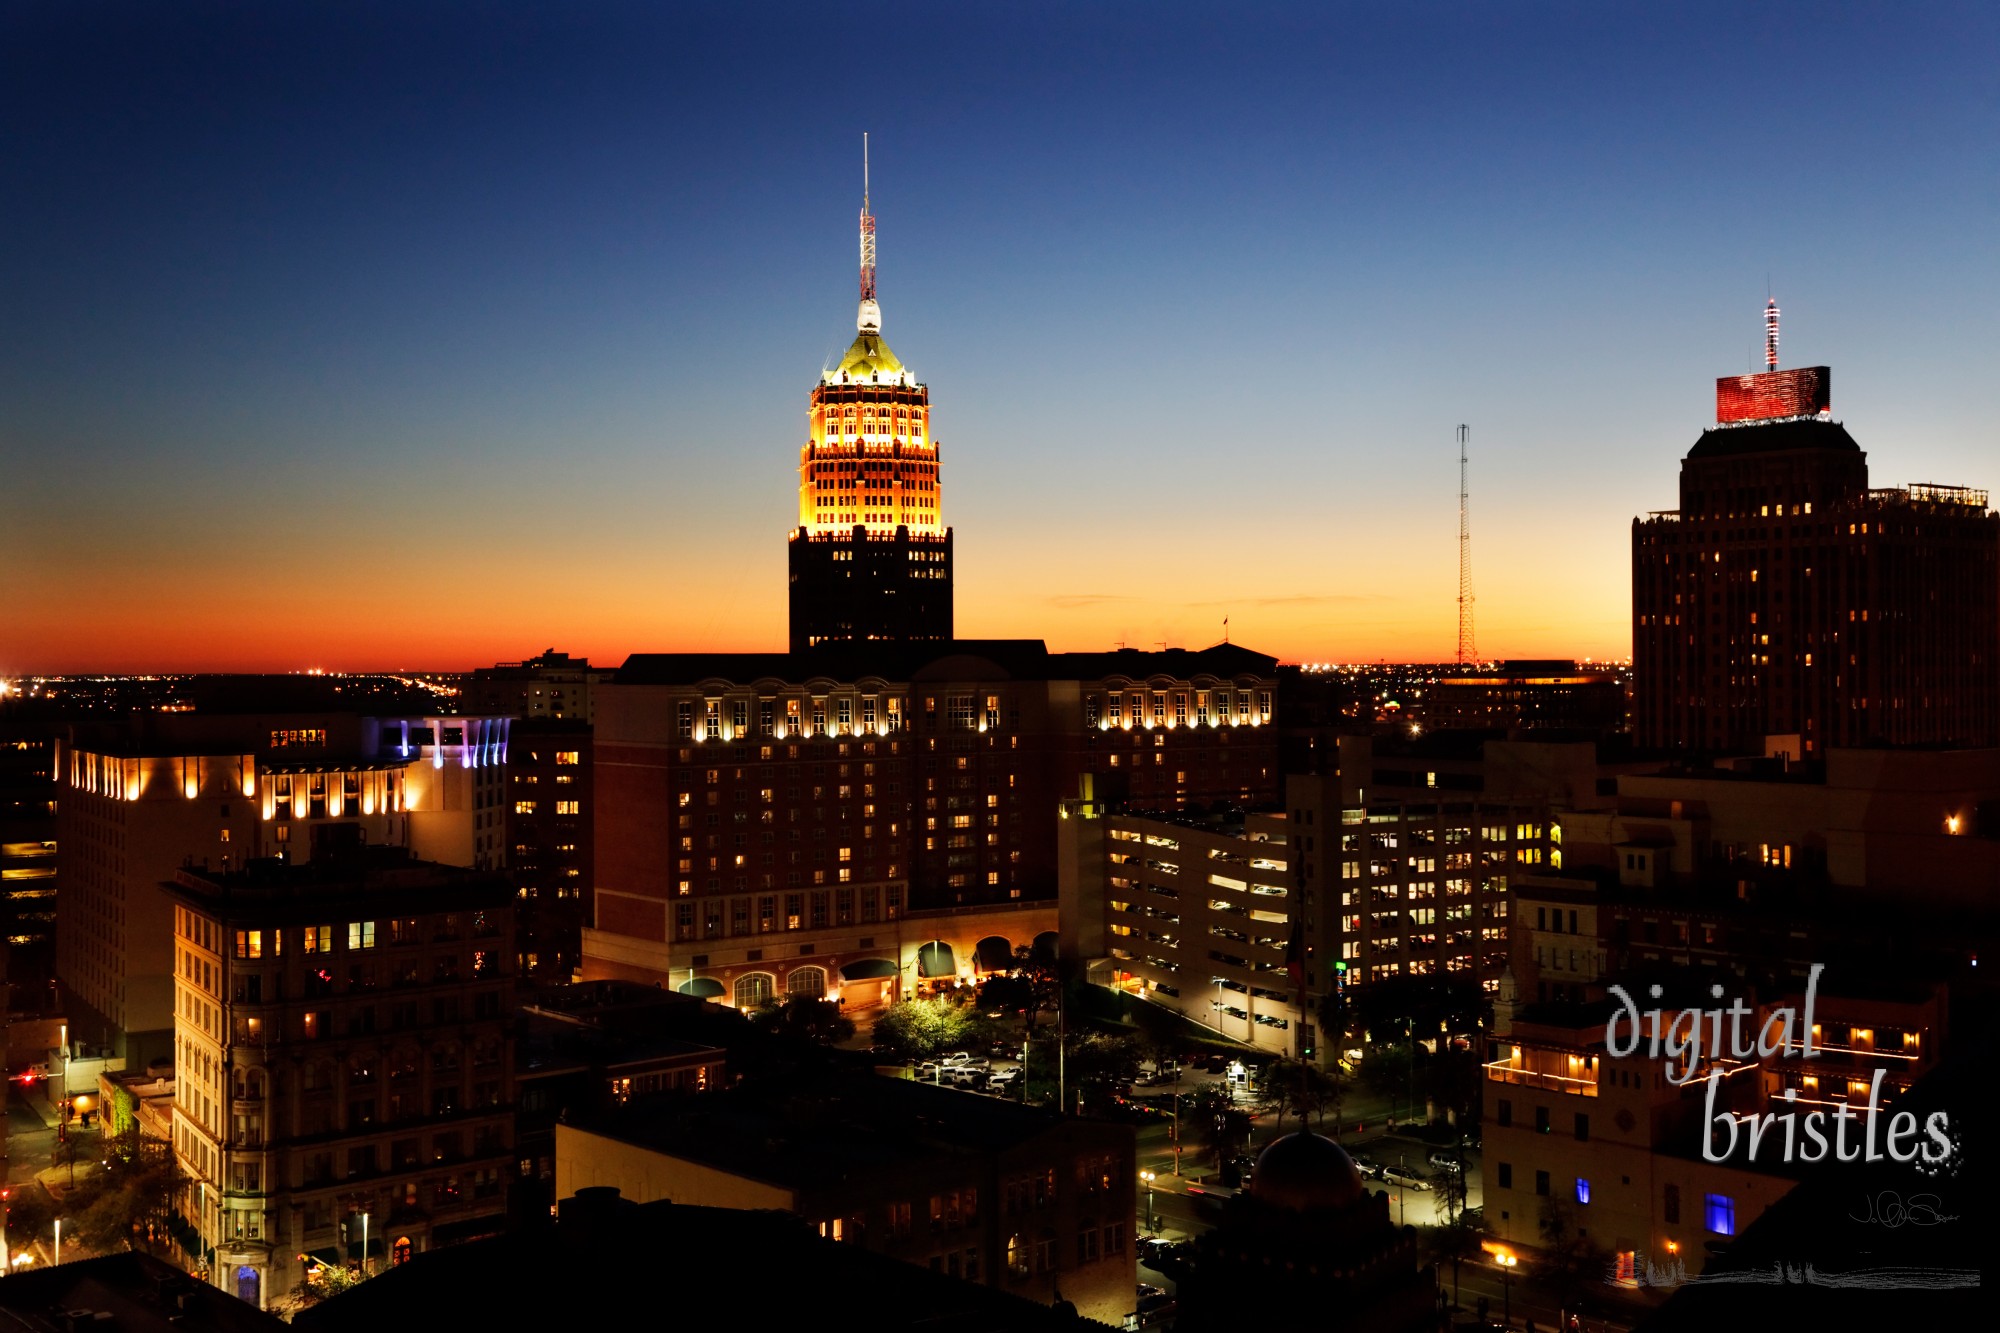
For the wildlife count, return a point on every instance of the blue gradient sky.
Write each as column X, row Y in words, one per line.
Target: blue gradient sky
column 426, row 334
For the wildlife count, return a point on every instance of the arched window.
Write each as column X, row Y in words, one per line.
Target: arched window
column 807, row 981
column 753, row 990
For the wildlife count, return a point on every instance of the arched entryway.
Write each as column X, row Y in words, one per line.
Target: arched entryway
column 865, row 982
column 995, row 953
column 249, row 1286
column 399, row 1253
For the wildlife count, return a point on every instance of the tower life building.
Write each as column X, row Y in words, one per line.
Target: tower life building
column 871, row 557
column 1786, row 598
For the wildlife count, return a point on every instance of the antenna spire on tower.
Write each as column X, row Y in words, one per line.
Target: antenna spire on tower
column 1771, row 334
column 867, row 243
column 1468, row 655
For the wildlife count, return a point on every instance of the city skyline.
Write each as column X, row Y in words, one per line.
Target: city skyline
column 392, row 338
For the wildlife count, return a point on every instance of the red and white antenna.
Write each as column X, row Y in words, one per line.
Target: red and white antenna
column 1770, row 334
column 869, row 303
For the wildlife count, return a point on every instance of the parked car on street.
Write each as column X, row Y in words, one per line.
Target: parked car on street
column 1409, row 1180
column 1369, row 1168
column 1445, row 1160
column 965, row 1059
column 1004, row 1080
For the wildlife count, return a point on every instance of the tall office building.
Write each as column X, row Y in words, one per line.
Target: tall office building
column 1787, row 598
column 871, row 557
column 344, row 1076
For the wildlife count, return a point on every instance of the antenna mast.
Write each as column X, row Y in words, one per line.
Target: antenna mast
column 1771, row 334
column 867, row 229
column 1467, row 654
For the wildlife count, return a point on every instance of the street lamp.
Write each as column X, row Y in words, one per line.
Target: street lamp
column 1147, row 1176
column 1507, row 1263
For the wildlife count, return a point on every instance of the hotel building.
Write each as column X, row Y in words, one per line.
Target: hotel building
column 771, row 823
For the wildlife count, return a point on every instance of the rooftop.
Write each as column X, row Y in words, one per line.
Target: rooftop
column 820, row 1133
column 868, row 356
column 1769, row 437
column 956, row 659
column 124, row 1293
column 613, row 1263
column 333, row 876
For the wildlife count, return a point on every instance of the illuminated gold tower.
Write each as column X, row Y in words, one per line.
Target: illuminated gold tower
column 871, row 557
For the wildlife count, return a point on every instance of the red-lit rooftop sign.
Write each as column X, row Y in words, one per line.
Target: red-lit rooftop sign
column 1778, row 393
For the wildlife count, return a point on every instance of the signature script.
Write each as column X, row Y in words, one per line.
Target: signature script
column 1890, row 1209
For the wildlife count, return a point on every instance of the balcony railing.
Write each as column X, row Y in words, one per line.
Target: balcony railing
column 1502, row 1072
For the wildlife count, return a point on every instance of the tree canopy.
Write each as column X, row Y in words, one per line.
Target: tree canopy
column 923, row 1028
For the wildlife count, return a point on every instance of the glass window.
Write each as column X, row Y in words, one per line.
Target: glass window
column 1721, row 1211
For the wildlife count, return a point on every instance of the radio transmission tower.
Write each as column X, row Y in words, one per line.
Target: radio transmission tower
column 1467, row 654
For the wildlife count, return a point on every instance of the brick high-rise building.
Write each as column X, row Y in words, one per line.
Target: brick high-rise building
column 341, row 1050
column 765, row 815
column 1786, row 598
column 137, row 802
column 871, row 557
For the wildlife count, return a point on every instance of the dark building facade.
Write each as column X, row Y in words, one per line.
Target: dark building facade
column 1306, row 1246
column 550, row 846
column 28, row 852
column 1017, row 1198
column 1786, row 597
column 857, row 584
column 553, row 685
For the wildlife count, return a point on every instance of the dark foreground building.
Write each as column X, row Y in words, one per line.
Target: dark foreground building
column 1306, row 1246
column 612, row 1263
column 1787, row 598
column 123, row 1293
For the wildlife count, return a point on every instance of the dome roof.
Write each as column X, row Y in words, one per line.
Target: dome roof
column 867, row 355
column 1304, row 1171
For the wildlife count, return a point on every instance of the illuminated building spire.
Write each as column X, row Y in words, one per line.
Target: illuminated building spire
column 870, row 318
column 1770, row 318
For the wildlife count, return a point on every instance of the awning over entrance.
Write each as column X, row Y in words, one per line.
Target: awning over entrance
column 995, row 953
column 330, row 1256
column 935, row 960
column 1045, row 947
column 868, row 969
column 708, row 988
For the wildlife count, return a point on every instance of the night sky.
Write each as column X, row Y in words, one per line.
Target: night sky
column 430, row 335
